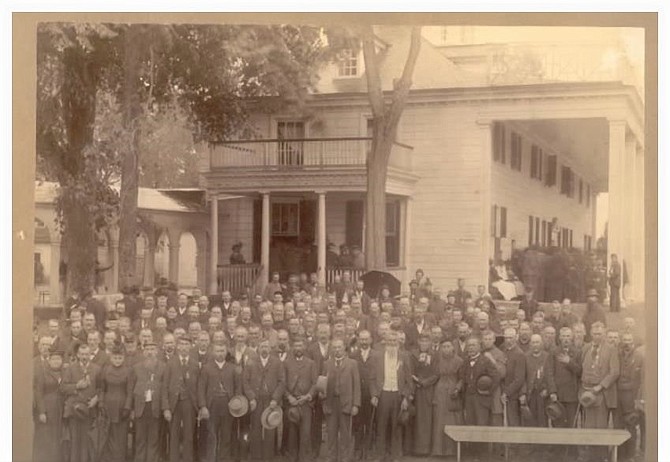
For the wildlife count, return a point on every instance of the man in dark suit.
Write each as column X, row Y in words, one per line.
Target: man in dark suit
column 563, row 372
column 419, row 325
column 460, row 294
column 390, row 392
column 460, row 343
column 514, row 378
column 614, row 279
column 301, row 377
column 217, row 384
column 263, row 385
column 362, row 422
column 319, row 352
column 181, row 389
column 478, row 401
column 149, row 403
column 342, row 402
column 80, row 385
column 362, row 296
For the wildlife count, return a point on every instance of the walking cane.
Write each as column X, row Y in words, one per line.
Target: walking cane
column 371, row 433
column 574, row 425
column 505, row 425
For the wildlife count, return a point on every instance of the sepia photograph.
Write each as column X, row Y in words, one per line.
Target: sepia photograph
column 335, row 238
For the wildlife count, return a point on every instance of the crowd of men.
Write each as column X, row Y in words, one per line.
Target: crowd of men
column 297, row 367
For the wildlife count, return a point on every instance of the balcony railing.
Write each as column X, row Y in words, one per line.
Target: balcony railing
column 236, row 278
column 304, row 153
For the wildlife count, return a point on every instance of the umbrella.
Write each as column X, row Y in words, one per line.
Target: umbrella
column 98, row 434
column 374, row 280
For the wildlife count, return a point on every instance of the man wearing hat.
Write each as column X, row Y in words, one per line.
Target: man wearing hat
column 263, row 385
column 628, row 389
column 217, row 384
column 301, row 375
column 80, row 386
column 564, row 368
column 148, row 403
column 181, row 390
column 594, row 313
column 342, row 402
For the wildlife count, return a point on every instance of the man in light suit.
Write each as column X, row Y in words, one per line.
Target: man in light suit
column 342, row 402
column 390, row 392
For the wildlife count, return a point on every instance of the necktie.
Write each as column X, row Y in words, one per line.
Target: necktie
column 338, row 362
column 183, row 362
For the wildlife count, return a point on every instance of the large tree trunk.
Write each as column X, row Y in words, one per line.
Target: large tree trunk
column 129, row 164
column 375, row 200
column 79, row 89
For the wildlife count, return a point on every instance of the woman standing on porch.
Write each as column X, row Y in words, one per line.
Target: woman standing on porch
column 447, row 404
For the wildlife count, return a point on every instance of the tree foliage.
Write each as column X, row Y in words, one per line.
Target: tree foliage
column 98, row 107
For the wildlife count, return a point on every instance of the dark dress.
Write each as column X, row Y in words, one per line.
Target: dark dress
column 48, row 400
column 446, row 410
column 114, row 384
column 424, row 368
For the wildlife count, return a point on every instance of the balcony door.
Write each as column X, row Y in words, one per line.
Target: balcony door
column 290, row 153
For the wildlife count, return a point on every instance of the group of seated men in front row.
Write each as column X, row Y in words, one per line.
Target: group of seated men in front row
column 371, row 378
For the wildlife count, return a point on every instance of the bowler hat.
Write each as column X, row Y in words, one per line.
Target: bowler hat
column 294, row 414
column 321, row 383
column 592, row 293
column 271, row 417
column 631, row 418
column 555, row 411
column 484, row 385
column 405, row 414
column 587, row 399
column 526, row 412
column 238, row 405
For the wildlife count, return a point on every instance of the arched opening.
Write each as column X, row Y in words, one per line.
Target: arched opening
column 162, row 257
column 188, row 269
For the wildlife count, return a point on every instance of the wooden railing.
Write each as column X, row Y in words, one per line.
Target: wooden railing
column 335, row 273
column 304, row 153
column 236, row 278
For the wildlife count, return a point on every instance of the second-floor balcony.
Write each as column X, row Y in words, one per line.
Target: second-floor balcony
column 317, row 162
column 304, row 153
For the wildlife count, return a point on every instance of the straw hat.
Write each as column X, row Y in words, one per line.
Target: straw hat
column 238, row 405
column 321, row 383
column 271, row 418
column 555, row 411
column 484, row 385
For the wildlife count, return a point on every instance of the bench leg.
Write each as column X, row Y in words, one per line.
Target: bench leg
column 614, row 453
column 506, row 452
column 458, row 451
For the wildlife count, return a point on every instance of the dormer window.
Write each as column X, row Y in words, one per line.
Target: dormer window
column 348, row 64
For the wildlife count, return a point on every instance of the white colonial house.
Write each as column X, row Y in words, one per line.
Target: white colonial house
column 497, row 141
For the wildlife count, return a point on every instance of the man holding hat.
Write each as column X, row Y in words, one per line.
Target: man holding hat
column 301, row 374
column 181, row 390
column 218, row 383
column 564, row 367
column 342, row 402
column 628, row 389
column 80, row 387
column 148, row 400
column 263, row 385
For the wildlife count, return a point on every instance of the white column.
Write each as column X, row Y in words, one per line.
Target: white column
column 214, row 247
column 265, row 239
column 485, row 188
column 54, row 270
column 615, row 189
column 639, row 228
column 149, row 262
column 201, row 262
column 173, row 271
column 321, row 242
column 629, row 214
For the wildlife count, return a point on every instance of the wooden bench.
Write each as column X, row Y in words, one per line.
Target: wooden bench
column 537, row 435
